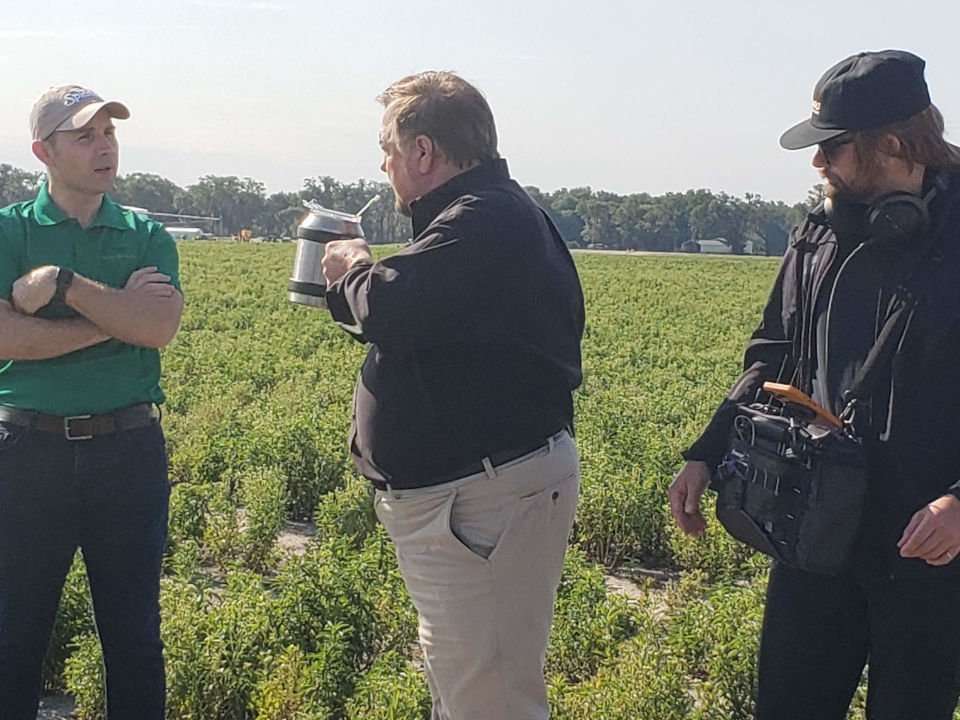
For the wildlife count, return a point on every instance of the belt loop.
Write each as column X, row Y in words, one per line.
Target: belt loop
column 488, row 468
column 551, row 443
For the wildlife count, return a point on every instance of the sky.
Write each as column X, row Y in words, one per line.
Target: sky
column 620, row 96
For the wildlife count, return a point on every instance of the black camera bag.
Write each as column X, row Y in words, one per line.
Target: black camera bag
column 793, row 489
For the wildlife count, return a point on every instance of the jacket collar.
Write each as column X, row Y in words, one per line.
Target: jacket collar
column 425, row 209
column 111, row 215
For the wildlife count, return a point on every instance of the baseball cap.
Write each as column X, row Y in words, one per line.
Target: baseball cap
column 866, row 90
column 69, row 107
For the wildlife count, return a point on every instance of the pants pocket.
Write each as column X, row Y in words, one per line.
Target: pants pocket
column 541, row 522
column 476, row 525
column 12, row 457
column 420, row 527
column 11, row 435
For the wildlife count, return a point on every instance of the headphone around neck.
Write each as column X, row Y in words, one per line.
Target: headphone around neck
column 892, row 219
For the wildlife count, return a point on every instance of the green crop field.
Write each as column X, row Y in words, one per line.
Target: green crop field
column 260, row 621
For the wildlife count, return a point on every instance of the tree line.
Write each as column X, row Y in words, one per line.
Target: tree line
column 584, row 217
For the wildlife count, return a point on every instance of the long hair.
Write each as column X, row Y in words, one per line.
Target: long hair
column 921, row 143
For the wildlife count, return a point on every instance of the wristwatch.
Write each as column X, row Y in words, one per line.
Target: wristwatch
column 64, row 280
column 954, row 490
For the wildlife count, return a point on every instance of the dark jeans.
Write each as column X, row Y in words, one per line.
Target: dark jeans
column 108, row 496
column 819, row 631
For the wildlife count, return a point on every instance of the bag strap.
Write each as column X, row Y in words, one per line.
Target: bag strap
column 881, row 354
column 894, row 328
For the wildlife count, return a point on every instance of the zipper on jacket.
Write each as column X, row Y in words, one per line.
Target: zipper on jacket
column 817, row 275
column 827, row 397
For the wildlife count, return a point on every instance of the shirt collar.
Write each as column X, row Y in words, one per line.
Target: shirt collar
column 45, row 210
column 426, row 208
column 110, row 215
column 113, row 216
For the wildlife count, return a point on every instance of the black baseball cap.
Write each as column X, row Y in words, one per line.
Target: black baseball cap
column 867, row 90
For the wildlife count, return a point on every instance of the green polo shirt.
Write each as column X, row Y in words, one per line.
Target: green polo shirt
column 107, row 376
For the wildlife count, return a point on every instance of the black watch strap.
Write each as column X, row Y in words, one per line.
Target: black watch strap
column 64, row 281
column 954, row 490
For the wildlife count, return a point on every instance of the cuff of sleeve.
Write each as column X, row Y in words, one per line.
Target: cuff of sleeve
column 698, row 453
column 712, row 444
column 337, row 303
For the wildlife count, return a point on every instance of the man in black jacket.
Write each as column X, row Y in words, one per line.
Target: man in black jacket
column 889, row 224
column 463, row 409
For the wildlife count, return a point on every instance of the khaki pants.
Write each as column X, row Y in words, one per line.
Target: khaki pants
column 481, row 557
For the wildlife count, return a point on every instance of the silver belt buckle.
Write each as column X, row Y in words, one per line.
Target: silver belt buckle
column 66, row 427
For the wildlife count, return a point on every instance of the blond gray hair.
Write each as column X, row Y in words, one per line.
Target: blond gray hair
column 444, row 107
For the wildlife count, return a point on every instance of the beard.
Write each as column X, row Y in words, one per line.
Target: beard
column 863, row 187
column 847, row 203
column 837, row 189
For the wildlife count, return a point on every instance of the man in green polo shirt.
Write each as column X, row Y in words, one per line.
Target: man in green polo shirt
column 89, row 292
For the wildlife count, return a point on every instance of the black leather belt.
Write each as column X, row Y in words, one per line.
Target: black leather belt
column 83, row 427
column 495, row 459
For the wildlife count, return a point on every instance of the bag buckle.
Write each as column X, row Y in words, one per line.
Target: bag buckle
column 849, row 417
column 67, row 430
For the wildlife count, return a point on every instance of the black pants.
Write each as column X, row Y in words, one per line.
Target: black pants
column 108, row 496
column 819, row 631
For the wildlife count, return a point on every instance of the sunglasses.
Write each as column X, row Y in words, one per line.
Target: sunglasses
column 828, row 148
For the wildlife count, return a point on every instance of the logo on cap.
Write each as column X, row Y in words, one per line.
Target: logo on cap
column 76, row 96
column 816, row 107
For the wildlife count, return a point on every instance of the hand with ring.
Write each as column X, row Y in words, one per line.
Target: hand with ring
column 933, row 533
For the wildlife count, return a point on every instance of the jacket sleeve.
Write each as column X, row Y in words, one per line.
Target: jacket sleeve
column 425, row 290
column 767, row 356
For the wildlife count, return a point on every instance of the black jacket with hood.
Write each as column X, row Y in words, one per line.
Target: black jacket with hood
column 827, row 304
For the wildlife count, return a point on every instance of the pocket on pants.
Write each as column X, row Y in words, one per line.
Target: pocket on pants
column 146, row 447
column 472, row 549
column 523, row 523
column 478, row 533
column 540, row 520
column 11, row 436
column 429, row 555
